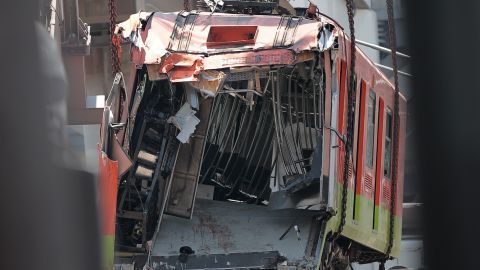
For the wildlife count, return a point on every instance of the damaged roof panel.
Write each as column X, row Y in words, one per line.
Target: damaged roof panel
column 185, row 67
column 194, row 32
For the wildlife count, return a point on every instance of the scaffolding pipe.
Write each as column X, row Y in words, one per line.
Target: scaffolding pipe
column 380, row 48
column 391, row 69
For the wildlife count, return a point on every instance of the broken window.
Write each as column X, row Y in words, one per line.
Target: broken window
column 254, row 133
column 265, row 125
column 387, row 170
column 370, row 128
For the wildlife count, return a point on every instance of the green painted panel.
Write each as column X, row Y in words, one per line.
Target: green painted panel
column 108, row 251
column 361, row 228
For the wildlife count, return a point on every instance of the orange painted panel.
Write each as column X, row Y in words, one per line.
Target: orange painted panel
column 107, row 188
column 343, row 98
column 361, row 138
column 342, row 103
column 380, row 137
column 231, row 35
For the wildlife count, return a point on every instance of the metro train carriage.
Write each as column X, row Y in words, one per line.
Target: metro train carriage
column 227, row 145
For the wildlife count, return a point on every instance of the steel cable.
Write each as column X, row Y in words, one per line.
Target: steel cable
column 396, row 132
column 350, row 117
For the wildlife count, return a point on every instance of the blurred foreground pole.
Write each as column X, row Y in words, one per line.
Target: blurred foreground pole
column 445, row 42
column 48, row 218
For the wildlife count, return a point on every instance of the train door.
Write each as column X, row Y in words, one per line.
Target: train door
column 383, row 171
column 341, row 125
column 386, row 172
column 379, row 162
column 359, row 156
column 337, row 73
column 369, row 168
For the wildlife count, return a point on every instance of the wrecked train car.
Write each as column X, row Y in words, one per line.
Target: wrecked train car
column 228, row 144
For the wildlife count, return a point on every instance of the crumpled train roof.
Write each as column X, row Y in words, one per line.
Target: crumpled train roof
column 188, row 32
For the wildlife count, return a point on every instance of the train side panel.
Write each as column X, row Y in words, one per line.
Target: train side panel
column 369, row 189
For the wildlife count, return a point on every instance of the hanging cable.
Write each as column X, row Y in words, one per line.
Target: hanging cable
column 115, row 49
column 396, row 133
column 186, row 5
column 350, row 117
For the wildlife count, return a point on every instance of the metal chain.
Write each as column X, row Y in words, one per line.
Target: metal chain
column 396, row 132
column 115, row 49
column 350, row 117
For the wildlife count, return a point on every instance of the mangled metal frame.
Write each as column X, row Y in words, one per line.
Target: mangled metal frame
column 259, row 101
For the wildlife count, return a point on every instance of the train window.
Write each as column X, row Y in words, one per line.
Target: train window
column 370, row 127
column 387, row 167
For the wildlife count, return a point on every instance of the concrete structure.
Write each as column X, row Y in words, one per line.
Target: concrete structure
column 89, row 73
column 90, row 76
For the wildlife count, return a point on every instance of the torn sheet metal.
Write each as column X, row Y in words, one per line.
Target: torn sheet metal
column 192, row 97
column 176, row 44
column 131, row 29
column 210, row 82
column 186, row 121
column 214, row 4
column 177, row 67
column 167, row 32
column 176, row 60
column 130, row 26
column 327, row 38
column 181, row 67
column 151, row 47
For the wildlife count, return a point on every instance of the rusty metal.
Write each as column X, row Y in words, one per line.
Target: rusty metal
column 115, row 40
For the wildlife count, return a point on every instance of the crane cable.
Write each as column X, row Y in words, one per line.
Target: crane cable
column 350, row 117
column 396, row 132
column 186, row 5
column 115, row 49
